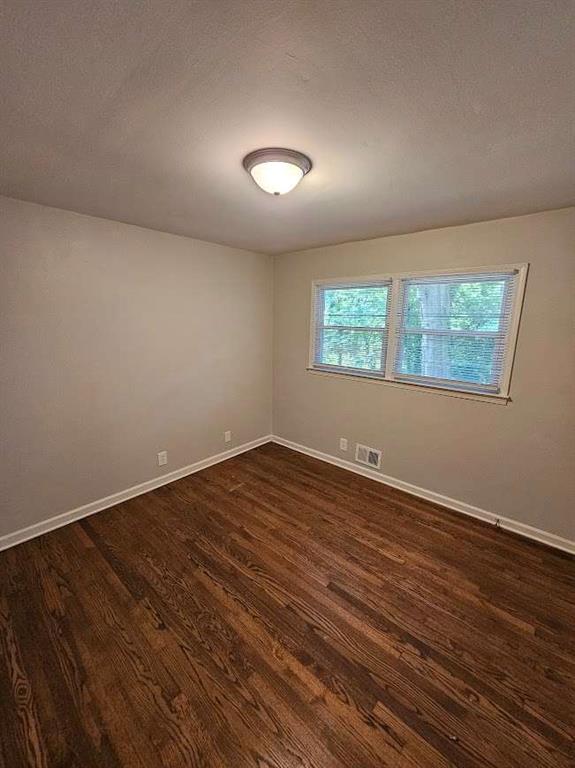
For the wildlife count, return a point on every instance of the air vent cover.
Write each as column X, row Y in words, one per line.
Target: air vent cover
column 366, row 455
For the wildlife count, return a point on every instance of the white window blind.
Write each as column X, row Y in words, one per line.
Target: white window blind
column 453, row 329
column 449, row 330
column 351, row 327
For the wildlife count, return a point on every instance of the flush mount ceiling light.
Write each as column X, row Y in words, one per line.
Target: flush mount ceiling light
column 275, row 170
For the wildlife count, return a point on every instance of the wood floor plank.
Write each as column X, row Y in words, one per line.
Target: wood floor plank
column 277, row 612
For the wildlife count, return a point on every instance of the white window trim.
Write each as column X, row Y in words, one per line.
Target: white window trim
column 502, row 396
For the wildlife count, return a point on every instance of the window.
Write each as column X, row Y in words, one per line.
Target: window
column 449, row 330
column 352, row 326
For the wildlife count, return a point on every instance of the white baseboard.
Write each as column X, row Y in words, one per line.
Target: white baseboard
column 17, row 537
column 507, row 523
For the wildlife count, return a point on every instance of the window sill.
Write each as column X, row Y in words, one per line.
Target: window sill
column 441, row 391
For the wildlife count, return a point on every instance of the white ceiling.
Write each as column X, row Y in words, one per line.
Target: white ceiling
column 416, row 113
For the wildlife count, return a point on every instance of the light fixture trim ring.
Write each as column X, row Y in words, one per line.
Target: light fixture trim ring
column 277, row 155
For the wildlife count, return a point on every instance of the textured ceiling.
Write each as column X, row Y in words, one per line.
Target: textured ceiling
column 416, row 113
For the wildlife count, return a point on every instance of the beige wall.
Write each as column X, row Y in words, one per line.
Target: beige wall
column 517, row 460
column 117, row 342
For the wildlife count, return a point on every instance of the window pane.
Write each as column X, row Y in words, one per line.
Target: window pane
column 363, row 306
column 459, row 358
column 352, row 349
column 461, row 306
column 449, row 330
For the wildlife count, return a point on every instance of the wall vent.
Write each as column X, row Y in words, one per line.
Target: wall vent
column 366, row 455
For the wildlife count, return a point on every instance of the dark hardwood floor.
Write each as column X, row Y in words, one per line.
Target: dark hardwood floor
column 275, row 611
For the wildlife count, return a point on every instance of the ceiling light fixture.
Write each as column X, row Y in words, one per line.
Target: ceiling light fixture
column 275, row 170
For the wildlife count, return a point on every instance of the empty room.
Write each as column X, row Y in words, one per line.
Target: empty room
column 287, row 384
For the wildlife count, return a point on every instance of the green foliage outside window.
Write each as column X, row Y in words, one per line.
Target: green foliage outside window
column 354, row 308
column 470, row 306
column 354, row 331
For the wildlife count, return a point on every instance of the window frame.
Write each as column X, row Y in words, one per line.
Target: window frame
column 360, row 283
column 393, row 332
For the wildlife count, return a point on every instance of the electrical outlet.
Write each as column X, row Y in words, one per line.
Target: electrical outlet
column 227, row 436
column 343, row 444
column 162, row 458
